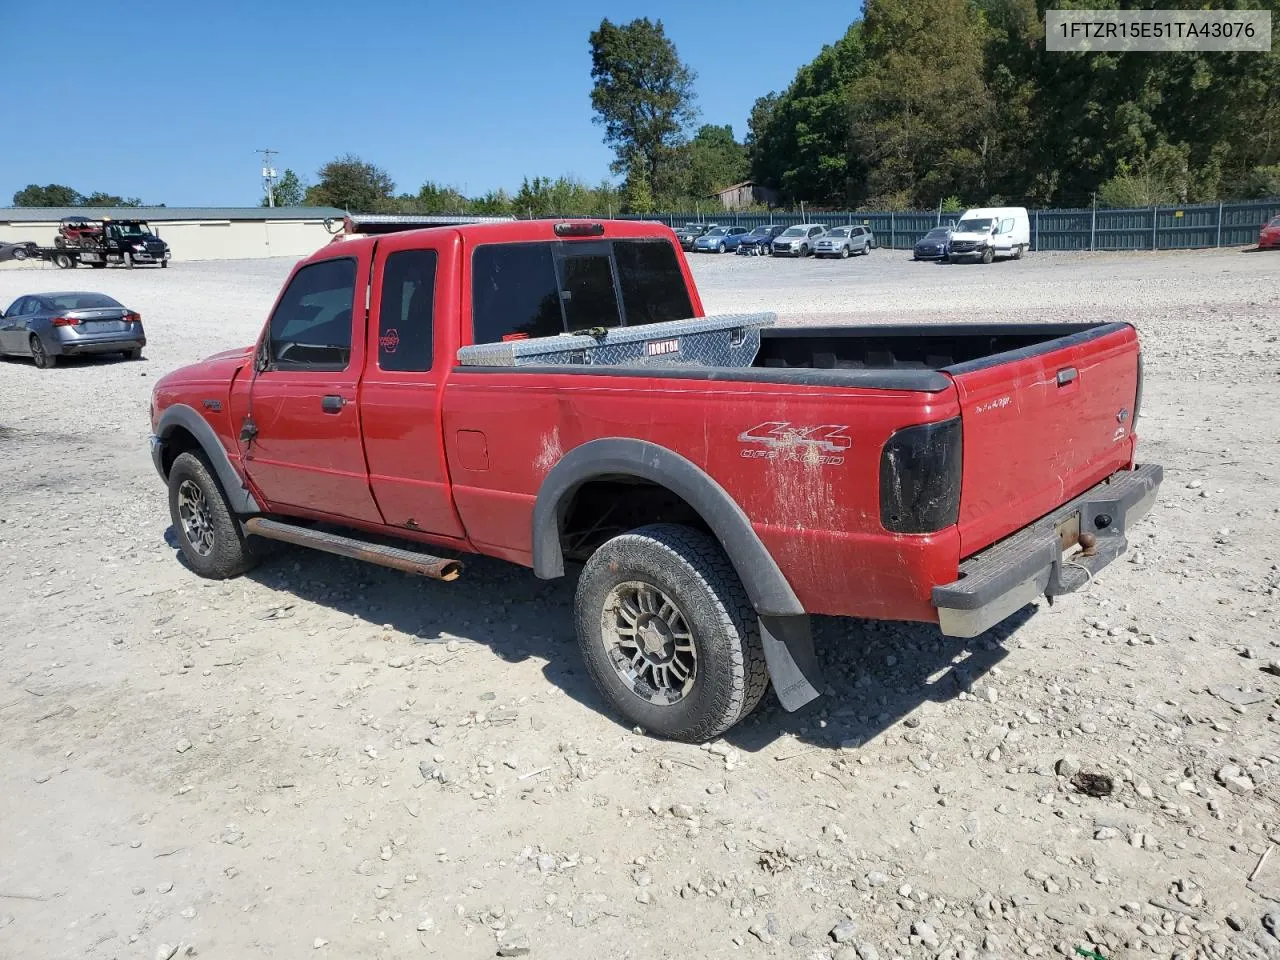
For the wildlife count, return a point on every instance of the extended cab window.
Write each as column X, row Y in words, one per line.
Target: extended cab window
column 311, row 328
column 543, row 289
column 405, row 313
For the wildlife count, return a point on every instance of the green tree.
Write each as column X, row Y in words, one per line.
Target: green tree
column 638, row 197
column 288, row 191
column 434, row 198
column 100, row 199
column 921, row 111
column 352, row 184
column 642, row 95
column 711, row 161
column 799, row 140
column 51, row 195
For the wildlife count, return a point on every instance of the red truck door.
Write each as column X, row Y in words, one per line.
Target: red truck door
column 307, row 451
column 410, row 345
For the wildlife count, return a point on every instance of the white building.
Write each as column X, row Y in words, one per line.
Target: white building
column 193, row 233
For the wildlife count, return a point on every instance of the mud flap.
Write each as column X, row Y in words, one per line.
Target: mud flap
column 793, row 664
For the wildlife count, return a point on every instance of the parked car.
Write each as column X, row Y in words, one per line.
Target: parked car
column 720, row 239
column 691, row 232
column 914, row 472
column 843, row 241
column 933, row 245
column 758, row 242
column 1269, row 235
column 985, row 233
column 19, row 250
column 46, row 326
column 798, row 241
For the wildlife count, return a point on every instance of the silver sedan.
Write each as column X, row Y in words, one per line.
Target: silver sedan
column 46, row 326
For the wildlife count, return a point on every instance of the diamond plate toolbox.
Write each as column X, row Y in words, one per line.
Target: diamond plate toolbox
column 730, row 340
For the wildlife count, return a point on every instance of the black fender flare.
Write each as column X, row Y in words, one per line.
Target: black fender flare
column 770, row 593
column 239, row 498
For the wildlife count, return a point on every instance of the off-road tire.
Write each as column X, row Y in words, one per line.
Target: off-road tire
column 40, row 356
column 231, row 554
column 691, row 568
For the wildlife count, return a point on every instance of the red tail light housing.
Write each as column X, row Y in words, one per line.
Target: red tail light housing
column 132, row 317
column 66, row 321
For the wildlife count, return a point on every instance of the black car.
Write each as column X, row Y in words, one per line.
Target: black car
column 934, row 245
column 17, row 250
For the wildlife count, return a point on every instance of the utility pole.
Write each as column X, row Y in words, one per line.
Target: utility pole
column 268, row 175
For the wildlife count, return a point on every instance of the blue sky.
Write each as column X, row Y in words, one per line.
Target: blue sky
column 474, row 94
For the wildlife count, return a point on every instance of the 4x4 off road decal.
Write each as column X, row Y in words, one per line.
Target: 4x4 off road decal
column 782, row 440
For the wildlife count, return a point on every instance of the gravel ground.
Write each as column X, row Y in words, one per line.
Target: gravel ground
column 329, row 759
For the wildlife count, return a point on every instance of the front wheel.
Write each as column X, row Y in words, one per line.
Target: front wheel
column 720, row 247
column 804, row 251
column 844, row 253
column 163, row 264
column 668, row 633
column 988, row 255
column 208, row 535
column 20, row 253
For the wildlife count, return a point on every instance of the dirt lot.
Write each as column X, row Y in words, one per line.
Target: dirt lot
column 328, row 759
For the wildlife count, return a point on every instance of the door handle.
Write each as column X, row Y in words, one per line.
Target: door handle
column 1067, row 375
column 332, row 403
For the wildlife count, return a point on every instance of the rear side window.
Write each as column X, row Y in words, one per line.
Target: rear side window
column 514, row 292
column 311, row 328
column 653, row 288
column 405, row 312
column 543, row 289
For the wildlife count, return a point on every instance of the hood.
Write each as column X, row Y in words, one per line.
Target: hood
column 970, row 237
column 219, row 367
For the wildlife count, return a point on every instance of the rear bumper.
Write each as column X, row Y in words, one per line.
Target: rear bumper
column 111, row 343
column 1029, row 564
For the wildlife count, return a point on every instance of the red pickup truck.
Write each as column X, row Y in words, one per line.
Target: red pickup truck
column 945, row 474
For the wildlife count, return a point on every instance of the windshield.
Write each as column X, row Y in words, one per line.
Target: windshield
column 760, row 231
column 794, row 232
column 976, row 225
column 130, row 229
column 718, row 232
column 839, row 232
column 937, row 233
column 694, row 227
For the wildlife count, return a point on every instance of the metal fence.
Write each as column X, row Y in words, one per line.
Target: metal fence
column 1092, row 228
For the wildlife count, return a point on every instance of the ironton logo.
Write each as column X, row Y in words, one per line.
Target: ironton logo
column 781, row 439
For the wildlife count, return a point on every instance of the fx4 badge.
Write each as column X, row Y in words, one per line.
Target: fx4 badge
column 781, row 440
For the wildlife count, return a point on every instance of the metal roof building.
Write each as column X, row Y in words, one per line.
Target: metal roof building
column 193, row 233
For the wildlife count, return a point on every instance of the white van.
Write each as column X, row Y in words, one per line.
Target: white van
column 985, row 233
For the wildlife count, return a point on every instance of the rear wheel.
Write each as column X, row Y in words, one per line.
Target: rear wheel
column 208, row 535
column 668, row 633
column 42, row 358
column 134, row 354
column 1018, row 251
column 63, row 261
column 20, row 253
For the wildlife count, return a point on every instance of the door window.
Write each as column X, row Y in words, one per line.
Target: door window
column 311, row 328
column 405, row 328
column 1006, row 225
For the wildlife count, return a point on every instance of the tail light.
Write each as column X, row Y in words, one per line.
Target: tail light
column 66, row 321
column 132, row 317
column 920, row 478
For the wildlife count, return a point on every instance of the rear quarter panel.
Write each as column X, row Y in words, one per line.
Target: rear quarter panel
column 802, row 462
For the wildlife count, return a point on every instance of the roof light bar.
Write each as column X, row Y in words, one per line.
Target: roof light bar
column 579, row 229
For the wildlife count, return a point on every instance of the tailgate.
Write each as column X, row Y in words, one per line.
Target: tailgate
column 1041, row 425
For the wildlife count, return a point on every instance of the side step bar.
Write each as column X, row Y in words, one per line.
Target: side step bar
column 410, row 561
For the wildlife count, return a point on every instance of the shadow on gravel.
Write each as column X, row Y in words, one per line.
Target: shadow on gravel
column 877, row 673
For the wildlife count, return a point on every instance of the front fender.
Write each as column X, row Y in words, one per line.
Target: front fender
column 179, row 415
